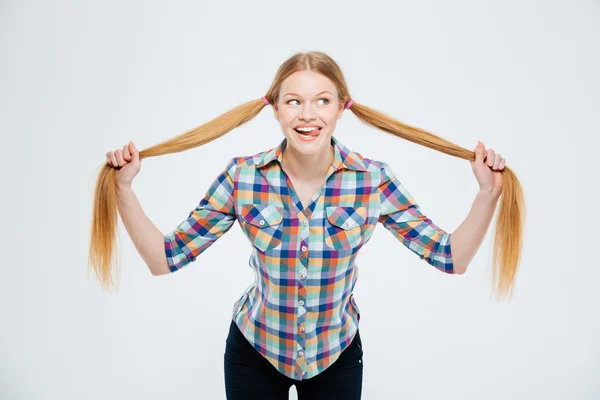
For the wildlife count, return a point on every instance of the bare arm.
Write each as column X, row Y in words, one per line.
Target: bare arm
column 148, row 240
column 466, row 239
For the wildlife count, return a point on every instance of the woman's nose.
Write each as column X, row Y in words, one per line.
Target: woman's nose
column 307, row 112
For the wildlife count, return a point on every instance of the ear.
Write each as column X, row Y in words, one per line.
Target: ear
column 276, row 111
column 340, row 111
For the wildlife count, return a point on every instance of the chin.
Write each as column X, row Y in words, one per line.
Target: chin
column 312, row 147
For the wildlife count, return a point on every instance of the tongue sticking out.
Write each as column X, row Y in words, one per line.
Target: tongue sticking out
column 314, row 132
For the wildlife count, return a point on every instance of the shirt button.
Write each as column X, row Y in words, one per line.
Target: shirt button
column 301, row 302
column 304, row 248
column 346, row 224
column 301, row 329
column 262, row 222
column 302, row 276
column 304, row 222
column 301, row 353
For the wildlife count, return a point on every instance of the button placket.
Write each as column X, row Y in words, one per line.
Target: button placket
column 304, row 228
column 301, row 329
column 304, row 238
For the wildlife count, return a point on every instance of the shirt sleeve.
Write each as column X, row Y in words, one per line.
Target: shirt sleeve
column 401, row 215
column 214, row 216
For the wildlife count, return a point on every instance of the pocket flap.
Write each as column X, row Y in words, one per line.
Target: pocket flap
column 262, row 215
column 346, row 217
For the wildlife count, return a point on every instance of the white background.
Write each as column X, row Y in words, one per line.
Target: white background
column 78, row 79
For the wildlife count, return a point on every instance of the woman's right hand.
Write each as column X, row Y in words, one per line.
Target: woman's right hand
column 127, row 161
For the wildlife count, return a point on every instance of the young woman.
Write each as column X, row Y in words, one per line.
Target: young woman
column 308, row 206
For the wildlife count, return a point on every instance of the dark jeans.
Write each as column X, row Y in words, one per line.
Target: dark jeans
column 248, row 375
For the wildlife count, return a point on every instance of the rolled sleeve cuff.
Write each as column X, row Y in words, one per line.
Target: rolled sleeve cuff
column 441, row 256
column 176, row 258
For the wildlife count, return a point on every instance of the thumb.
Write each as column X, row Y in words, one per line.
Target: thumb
column 479, row 152
column 135, row 155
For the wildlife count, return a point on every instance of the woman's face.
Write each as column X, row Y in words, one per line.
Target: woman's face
column 308, row 98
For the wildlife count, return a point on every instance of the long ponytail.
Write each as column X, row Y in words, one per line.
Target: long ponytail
column 508, row 237
column 104, row 214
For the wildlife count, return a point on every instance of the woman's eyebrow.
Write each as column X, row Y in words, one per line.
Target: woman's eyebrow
column 296, row 94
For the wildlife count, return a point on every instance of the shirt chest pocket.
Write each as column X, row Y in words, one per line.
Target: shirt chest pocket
column 263, row 225
column 343, row 226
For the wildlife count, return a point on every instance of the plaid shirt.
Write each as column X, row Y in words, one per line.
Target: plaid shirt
column 300, row 313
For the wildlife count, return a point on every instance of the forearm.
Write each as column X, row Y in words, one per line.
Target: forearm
column 467, row 238
column 147, row 238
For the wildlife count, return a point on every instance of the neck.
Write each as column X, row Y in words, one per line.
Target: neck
column 307, row 166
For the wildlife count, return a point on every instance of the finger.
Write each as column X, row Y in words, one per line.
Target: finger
column 119, row 157
column 489, row 159
column 126, row 155
column 497, row 161
column 108, row 161
column 479, row 152
column 113, row 159
column 502, row 163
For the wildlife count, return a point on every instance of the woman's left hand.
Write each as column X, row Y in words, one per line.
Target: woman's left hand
column 486, row 168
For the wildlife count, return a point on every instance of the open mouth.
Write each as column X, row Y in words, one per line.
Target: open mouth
column 308, row 132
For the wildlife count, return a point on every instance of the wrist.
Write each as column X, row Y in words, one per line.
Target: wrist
column 124, row 186
column 488, row 196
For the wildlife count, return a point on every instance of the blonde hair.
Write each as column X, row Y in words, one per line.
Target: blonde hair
column 509, row 225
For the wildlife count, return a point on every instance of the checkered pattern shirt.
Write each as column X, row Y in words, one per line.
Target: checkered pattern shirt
column 300, row 313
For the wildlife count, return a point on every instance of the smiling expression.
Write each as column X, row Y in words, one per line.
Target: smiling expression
column 308, row 99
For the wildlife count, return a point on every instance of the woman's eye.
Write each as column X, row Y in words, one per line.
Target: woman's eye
column 327, row 100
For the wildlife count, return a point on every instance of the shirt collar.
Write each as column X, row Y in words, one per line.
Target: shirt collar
column 343, row 157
